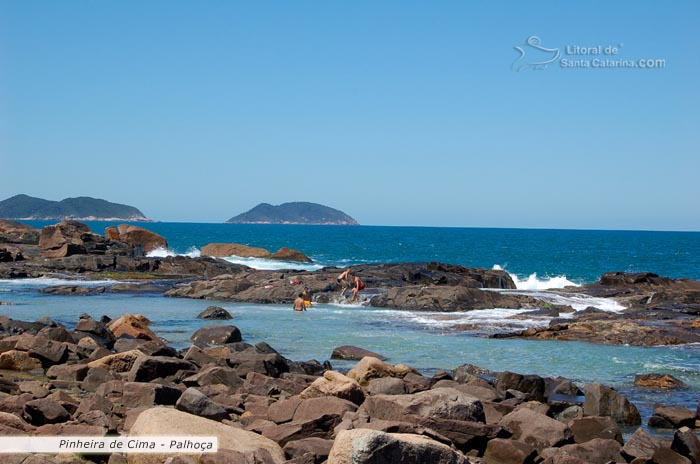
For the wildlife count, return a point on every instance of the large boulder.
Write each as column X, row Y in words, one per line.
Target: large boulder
column 663, row 381
column 119, row 362
column 588, row 428
column 45, row 411
column 604, row 401
column 147, row 368
column 686, row 443
column 14, row 360
column 532, row 386
column 335, row 384
column 139, row 236
column 16, row 232
column 375, row 447
column 243, row 445
column 640, row 445
column 502, row 451
column 596, row 451
column 442, row 403
column 195, row 402
column 69, row 238
column 353, row 353
column 132, row 325
column 223, row 250
column 672, row 417
column 535, row 429
column 217, row 335
column 373, row 368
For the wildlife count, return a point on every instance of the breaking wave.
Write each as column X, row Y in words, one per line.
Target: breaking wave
column 532, row 282
column 160, row 252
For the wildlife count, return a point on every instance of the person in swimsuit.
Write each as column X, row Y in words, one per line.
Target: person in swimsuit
column 344, row 280
column 299, row 303
column 359, row 285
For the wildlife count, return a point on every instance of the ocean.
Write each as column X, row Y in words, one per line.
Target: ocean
column 537, row 259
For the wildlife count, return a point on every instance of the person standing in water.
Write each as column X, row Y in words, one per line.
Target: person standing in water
column 299, row 303
column 359, row 285
column 344, row 280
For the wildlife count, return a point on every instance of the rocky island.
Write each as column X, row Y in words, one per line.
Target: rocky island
column 79, row 208
column 293, row 213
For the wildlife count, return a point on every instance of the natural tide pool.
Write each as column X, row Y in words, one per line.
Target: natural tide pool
column 425, row 341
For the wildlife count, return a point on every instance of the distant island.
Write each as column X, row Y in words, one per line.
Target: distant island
column 293, row 213
column 79, row 208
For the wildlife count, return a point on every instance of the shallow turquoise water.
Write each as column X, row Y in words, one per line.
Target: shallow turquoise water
column 398, row 335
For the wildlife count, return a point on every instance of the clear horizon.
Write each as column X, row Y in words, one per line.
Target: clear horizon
column 396, row 114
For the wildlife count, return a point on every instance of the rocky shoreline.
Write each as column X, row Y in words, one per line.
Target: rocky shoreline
column 658, row 310
column 117, row 377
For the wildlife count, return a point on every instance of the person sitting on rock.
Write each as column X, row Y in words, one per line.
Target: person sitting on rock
column 344, row 280
column 299, row 303
column 359, row 285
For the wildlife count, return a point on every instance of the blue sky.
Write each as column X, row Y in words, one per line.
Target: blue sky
column 398, row 113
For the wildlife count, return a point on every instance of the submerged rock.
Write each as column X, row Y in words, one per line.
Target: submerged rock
column 214, row 312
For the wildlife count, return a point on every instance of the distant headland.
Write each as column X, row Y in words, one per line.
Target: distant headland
column 298, row 212
column 79, row 208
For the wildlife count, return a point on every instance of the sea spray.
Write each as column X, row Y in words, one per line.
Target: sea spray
column 534, row 283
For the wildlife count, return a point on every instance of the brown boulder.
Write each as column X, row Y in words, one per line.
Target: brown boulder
column 14, row 360
column 288, row 254
column 373, row 368
column 140, row 236
column 217, row 334
column 119, row 362
column 373, row 446
column 68, row 238
column 502, row 451
column 604, row 401
column 640, row 445
column 686, row 443
column 45, row 411
column 335, row 384
column 672, row 417
column 657, row 381
column 171, row 422
column 596, row 451
column 353, row 353
column 223, row 250
column 535, row 429
column 588, row 428
column 442, row 403
column 132, row 325
column 17, row 232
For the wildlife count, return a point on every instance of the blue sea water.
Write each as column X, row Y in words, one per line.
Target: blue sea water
column 581, row 255
column 427, row 341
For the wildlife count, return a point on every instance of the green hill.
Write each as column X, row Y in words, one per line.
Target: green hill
column 80, row 208
column 293, row 213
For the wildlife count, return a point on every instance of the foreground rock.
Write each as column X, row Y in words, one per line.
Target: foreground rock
column 238, row 445
column 372, row 446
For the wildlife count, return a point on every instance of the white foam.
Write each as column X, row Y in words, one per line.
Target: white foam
column 272, row 264
column 482, row 319
column 160, row 252
column 534, row 283
column 40, row 282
